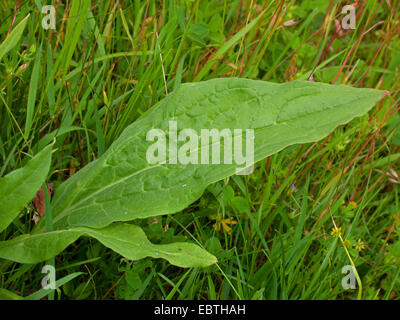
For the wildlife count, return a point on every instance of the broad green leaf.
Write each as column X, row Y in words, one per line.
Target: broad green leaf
column 121, row 185
column 126, row 239
column 130, row 241
column 39, row 247
column 20, row 186
column 13, row 37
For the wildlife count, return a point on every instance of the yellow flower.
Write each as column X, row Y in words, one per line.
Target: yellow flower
column 352, row 204
column 223, row 224
column 360, row 245
column 336, row 232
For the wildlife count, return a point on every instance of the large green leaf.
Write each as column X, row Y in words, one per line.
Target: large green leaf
column 20, row 186
column 126, row 239
column 121, row 185
column 130, row 241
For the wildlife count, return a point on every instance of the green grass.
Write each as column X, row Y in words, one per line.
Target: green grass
column 273, row 232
